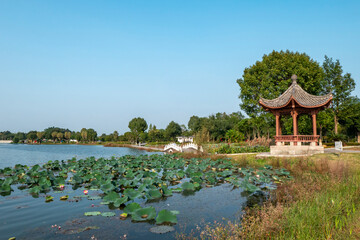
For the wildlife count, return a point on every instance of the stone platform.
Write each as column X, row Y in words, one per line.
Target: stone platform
column 301, row 150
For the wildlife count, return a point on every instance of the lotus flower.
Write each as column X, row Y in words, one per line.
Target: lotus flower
column 86, row 192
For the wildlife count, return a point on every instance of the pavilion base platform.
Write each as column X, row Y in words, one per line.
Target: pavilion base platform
column 292, row 151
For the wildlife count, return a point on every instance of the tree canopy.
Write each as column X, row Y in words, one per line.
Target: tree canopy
column 270, row 77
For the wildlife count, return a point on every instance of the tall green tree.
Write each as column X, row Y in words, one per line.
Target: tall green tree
column 349, row 116
column 115, row 136
column 271, row 76
column 173, row 130
column 137, row 126
column 91, row 134
column 84, row 134
column 341, row 85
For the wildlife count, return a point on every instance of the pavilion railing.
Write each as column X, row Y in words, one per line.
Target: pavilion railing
column 297, row 138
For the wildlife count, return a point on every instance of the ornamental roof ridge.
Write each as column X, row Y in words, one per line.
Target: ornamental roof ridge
column 296, row 92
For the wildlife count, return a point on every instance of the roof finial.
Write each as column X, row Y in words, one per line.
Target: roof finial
column 294, row 78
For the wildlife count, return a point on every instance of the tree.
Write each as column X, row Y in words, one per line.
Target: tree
column 67, row 135
column 54, row 135
column 84, row 134
column 137, row 125
column 91, row 135
column 272, row 76
column 173, row 130
column 32, row 135
column 349, row 116
column 60, row 136
column 40, row 135
column 194, row 124
column 341, row 85
column 115, row 136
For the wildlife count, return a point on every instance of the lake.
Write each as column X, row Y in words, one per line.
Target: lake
column 25, row 217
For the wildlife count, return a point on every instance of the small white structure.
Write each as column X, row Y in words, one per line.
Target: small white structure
column 338, row 146
column 189, row 147
column 183, row 139
column 73, row 141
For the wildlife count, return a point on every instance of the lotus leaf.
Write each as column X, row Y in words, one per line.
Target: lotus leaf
column 176, row 190
column 64, row 197
column 144, row 214
column 108, row 214
column 154, row 194
column 187, row 186
column 132, row 194
column 250, row 187
column 92, row 213
column 49, row 198
column 131, row 208
column 119, row 201
column 111, row 197
column 166, row 216
column 167, row 192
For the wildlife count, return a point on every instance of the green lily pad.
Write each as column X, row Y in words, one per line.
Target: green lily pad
column 131, row 208
column 92, row 213
column 187, row 186
column 108, row 214
column 111, row 196
column 144, row 214
column 49, row 198
column 166, row 216
column 119, row 201
column 105, row 203
column 154, row 194
column 132, row 194
column 64, row 197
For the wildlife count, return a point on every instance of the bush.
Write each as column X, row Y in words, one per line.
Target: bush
column 228, row 149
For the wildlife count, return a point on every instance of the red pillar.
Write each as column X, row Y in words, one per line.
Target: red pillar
column 277, row 117
column 314, row 124
column 295, row 130
column 295, row 125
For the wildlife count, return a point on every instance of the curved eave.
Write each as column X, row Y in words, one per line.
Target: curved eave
column 292, row 98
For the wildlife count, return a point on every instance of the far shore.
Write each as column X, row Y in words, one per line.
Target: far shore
column 111, row 144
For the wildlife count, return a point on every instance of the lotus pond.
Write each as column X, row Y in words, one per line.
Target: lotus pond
column 129, row 196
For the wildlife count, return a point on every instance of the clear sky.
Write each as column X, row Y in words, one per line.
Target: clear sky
column 98, row 64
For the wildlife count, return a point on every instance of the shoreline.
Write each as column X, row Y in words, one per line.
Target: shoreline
column 148, row 149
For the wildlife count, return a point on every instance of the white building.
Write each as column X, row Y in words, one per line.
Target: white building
column 183, row 139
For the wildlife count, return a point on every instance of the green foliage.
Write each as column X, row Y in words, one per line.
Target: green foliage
column 137, row 126
column 271, row 76
column 349, row 116
column 339, row 84
column 234, row 136
column 173, row 130
column 166, row 216
column 229, row 149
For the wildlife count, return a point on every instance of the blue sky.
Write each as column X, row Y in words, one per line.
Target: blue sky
column 98, row 64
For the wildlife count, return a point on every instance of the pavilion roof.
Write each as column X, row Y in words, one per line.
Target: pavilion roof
column 295, row 92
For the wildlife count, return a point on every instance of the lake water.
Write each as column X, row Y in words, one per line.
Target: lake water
column 25, row 217
column 11, row 154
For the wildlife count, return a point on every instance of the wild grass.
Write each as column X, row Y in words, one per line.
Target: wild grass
column 321, row 202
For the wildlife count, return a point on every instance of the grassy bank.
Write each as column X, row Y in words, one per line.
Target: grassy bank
column 321, row 202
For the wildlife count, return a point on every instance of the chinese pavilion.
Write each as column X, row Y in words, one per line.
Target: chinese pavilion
column 295, row 101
